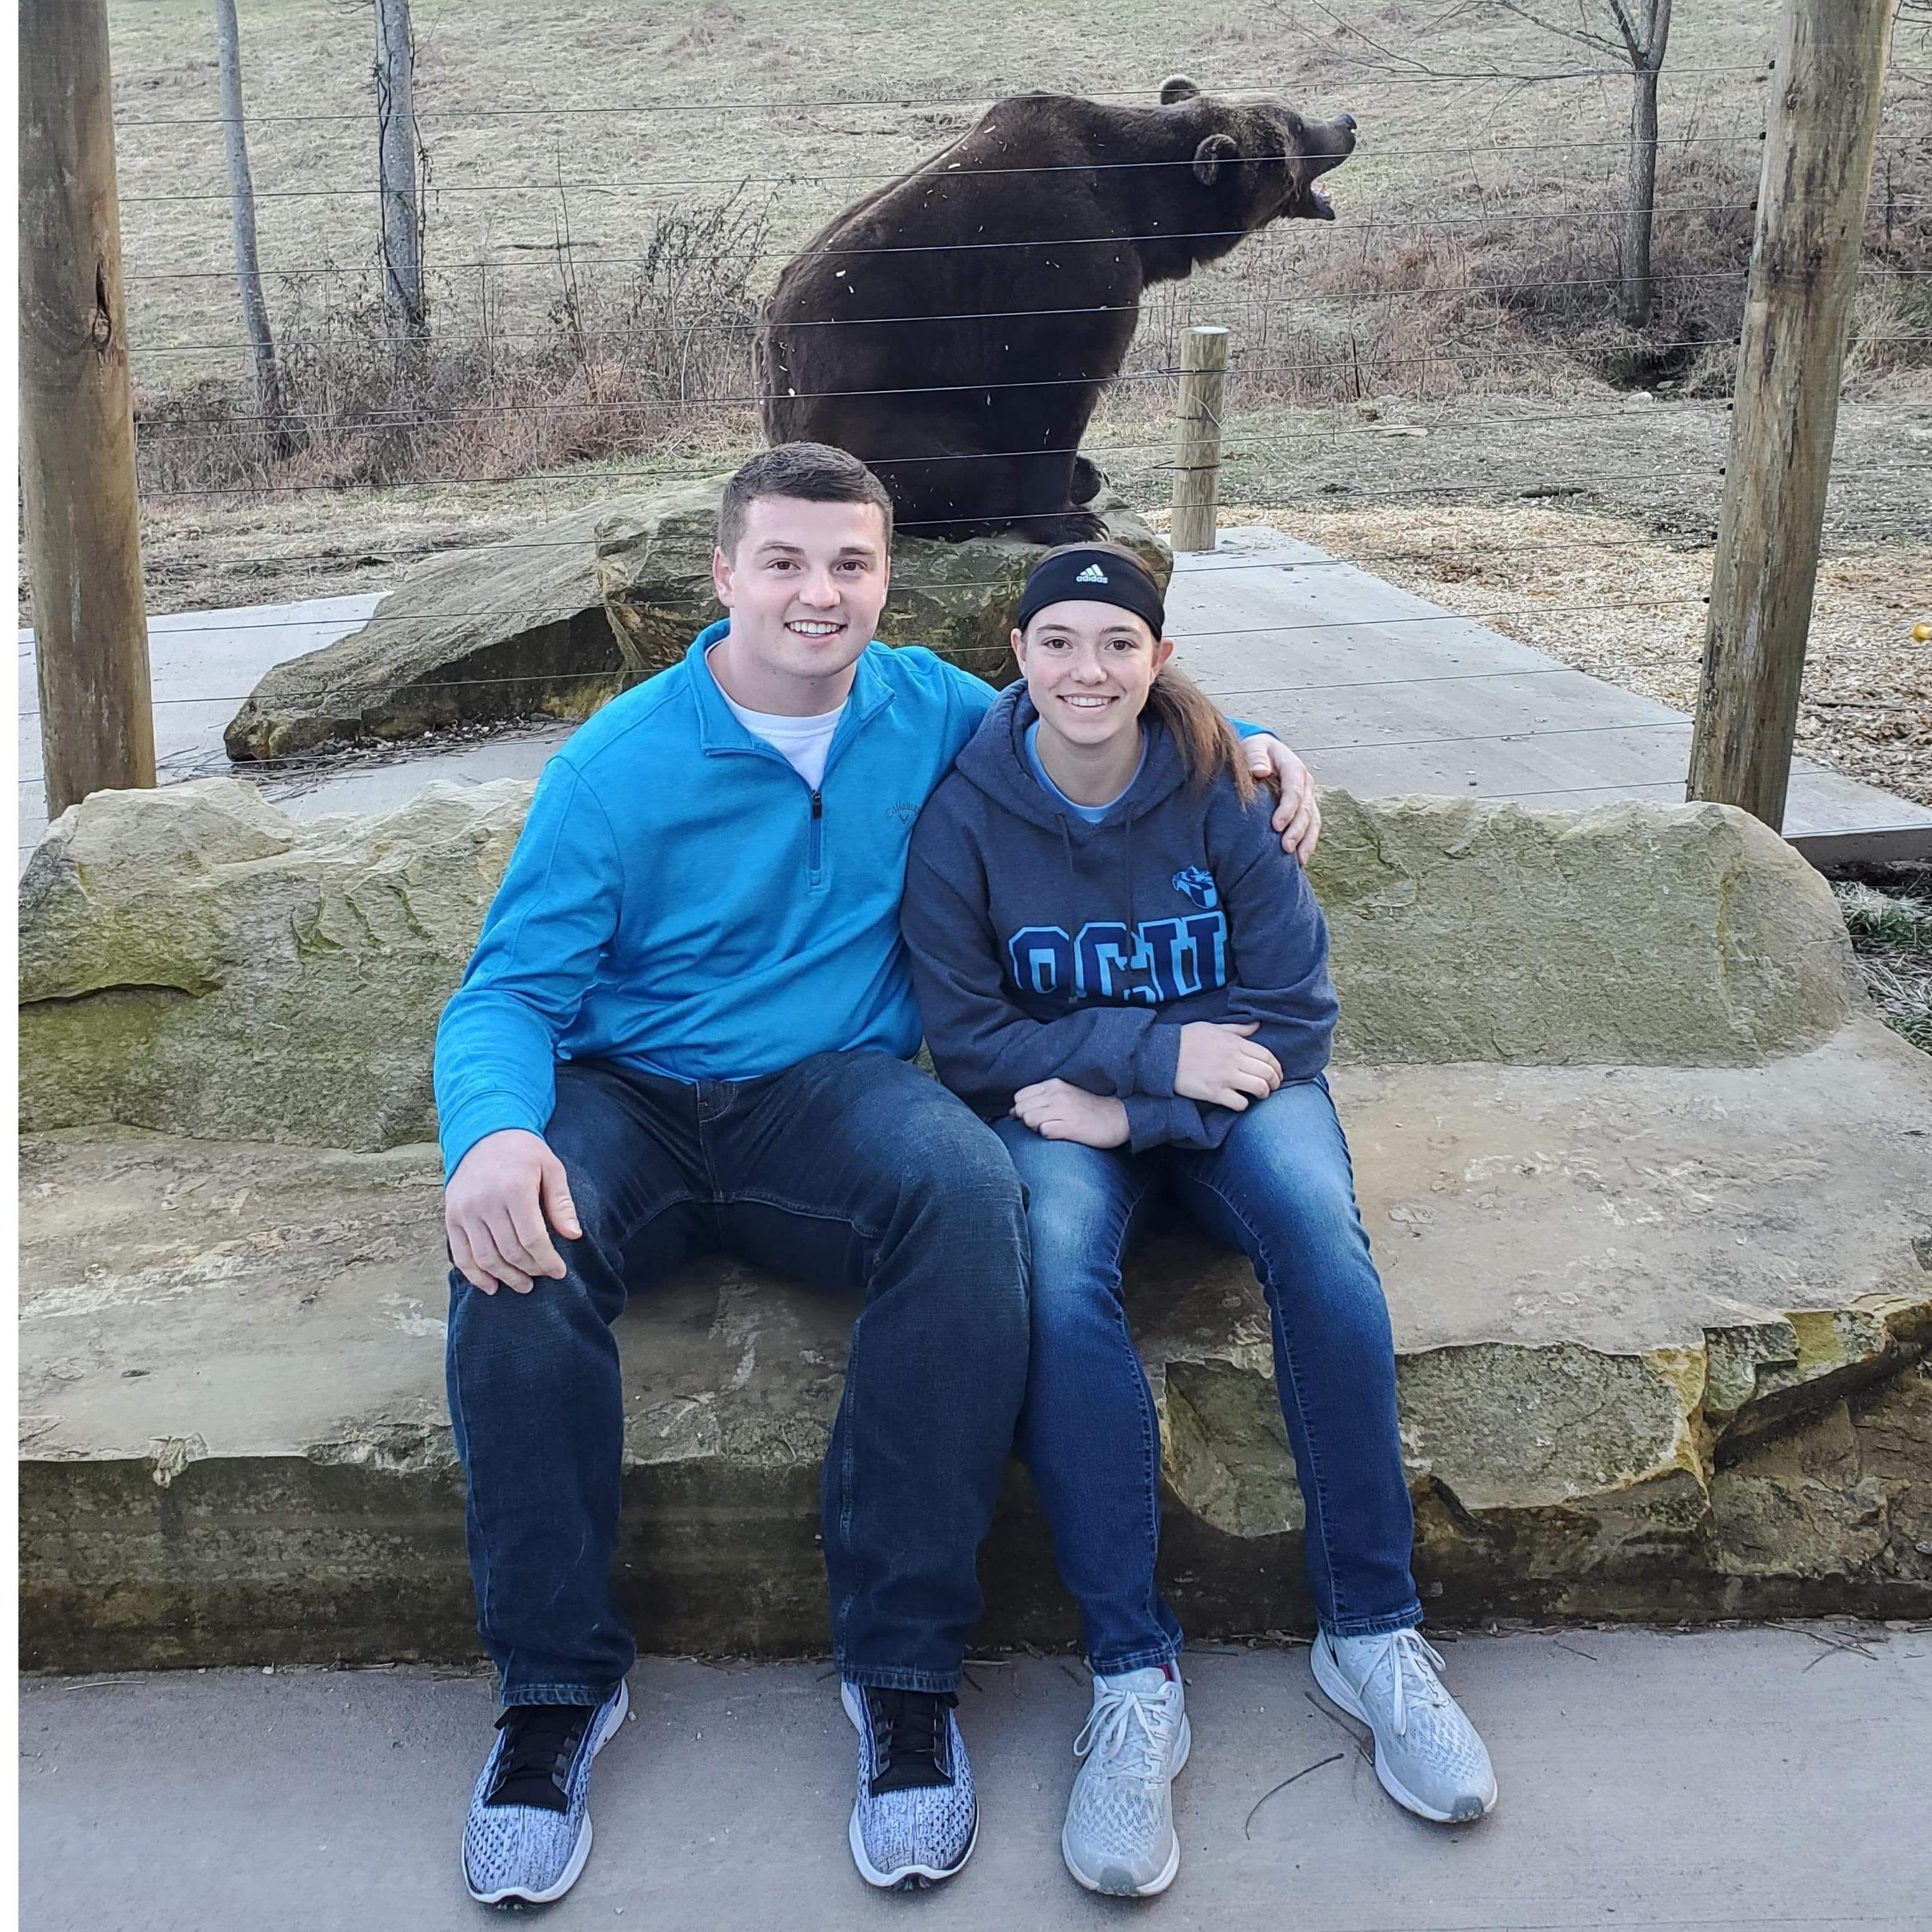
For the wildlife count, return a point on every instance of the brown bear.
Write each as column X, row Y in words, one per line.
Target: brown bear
column 954, row 329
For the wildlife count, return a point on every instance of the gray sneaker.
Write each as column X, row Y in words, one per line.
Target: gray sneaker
column 1119, row 1837
column 528, row 1833
column 1428, row 1755
column 915, row 1820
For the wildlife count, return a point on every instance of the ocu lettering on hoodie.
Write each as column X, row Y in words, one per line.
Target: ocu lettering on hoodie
column 1046, row 943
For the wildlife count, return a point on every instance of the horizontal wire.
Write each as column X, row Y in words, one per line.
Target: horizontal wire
column 800, row 178
column 1306, row 751
column 1158, row 371
column 1257, row 691
column 339, row 691
column 630, row 109
column 161, row 625
column 1239, row 364
column 550, row 480
column 1365, row 221
column 159, row 493
column 1234, row 441
column 1234, row 299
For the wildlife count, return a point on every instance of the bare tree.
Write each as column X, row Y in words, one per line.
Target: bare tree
column 269, row 400
column 1641, row 33
column 401, row 188
column 1635, row 31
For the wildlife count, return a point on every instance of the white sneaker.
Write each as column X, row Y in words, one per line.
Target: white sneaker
column 915, row 1819
column 1119, row 1836
column 1428, row 1755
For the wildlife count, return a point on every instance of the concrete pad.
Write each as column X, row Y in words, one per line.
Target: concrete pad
column 1657, row 1330
column 1383, row 692
column 1732, row 1781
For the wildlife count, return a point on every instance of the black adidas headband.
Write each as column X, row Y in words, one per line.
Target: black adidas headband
column 1092, row 577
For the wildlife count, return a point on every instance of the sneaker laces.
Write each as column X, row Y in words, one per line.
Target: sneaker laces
column 910, row 1748
column 1412, row 1658
column 541, row 1741
column 1128, row 1732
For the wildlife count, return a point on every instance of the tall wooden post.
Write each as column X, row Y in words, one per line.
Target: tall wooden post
column 1810, row 217
column 77, row 414
column 1197, row 455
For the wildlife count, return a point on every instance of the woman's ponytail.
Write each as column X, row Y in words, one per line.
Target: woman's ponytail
column 1205, row 738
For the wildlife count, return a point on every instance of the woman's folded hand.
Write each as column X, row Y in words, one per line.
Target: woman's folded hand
column 1057, row 1111
column 1219, row 1064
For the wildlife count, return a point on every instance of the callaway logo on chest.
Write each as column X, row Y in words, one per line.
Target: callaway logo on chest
column 1152, row 962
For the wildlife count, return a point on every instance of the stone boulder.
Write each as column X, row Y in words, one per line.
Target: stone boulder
column 192, row 959
column 1660, row 1332
column 553, row 624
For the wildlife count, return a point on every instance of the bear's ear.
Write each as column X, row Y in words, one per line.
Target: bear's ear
column 1175, row 88
column 1209, row 157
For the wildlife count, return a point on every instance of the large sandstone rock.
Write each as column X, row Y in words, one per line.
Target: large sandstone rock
column 192, row 959
column 554, row 623
column 1661, row 1336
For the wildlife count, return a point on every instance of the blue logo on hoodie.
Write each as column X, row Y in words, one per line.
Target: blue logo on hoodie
column 1197, row 883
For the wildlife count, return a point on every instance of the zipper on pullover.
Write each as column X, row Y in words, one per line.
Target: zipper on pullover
column 814, row 850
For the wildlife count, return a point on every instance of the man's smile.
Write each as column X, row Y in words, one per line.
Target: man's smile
column 814, row 627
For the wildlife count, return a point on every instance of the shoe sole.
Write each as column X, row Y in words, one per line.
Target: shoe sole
column 1335, row 1688
column 905, row 1878
column 579, row 1853
column 1165, row 1877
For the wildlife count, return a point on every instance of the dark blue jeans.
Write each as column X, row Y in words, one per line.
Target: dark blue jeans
column 1280, row 1189
column 848, row 1170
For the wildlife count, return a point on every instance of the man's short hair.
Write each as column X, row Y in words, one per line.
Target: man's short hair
column 814, row 473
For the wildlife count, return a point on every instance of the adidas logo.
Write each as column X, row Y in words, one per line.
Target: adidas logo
column 1093, row 574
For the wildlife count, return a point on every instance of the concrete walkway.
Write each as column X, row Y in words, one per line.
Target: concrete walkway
column 1728, row 1780
column 1384, row 693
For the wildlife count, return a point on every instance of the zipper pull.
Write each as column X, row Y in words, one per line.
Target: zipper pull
column 817, row 806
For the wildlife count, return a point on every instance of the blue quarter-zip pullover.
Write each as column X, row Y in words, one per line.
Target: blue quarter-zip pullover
column 681, row 901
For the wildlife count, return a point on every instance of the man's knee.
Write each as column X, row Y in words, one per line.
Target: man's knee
column 951, row 1165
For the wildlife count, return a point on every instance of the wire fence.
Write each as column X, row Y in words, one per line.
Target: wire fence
column 550, row 361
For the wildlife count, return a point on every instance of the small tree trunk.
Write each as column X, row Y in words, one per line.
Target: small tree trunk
column 241, row 205
column 396, row 162
column 1640, row 201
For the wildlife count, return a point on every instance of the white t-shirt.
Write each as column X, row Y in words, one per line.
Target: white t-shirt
column 803, row 742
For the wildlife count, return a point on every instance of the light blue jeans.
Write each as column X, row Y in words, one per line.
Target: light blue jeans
column 1280, row 1189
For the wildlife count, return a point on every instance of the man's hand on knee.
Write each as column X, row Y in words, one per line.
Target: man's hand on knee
column 507, row 1193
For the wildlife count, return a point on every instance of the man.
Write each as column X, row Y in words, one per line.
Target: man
column 687, row 1025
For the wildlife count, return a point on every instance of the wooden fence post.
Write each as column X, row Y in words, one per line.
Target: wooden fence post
column 1810, row 220
column 1197, row 455
column 83, row 531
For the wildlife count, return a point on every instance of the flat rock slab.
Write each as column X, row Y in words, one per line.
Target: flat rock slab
column 1660, row 1333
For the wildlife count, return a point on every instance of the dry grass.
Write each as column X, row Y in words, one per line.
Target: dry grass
column 1891, row 926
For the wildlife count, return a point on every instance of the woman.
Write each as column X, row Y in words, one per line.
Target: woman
column 1117, row 965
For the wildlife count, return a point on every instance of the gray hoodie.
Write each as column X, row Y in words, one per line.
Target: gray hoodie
column 1044, row 947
